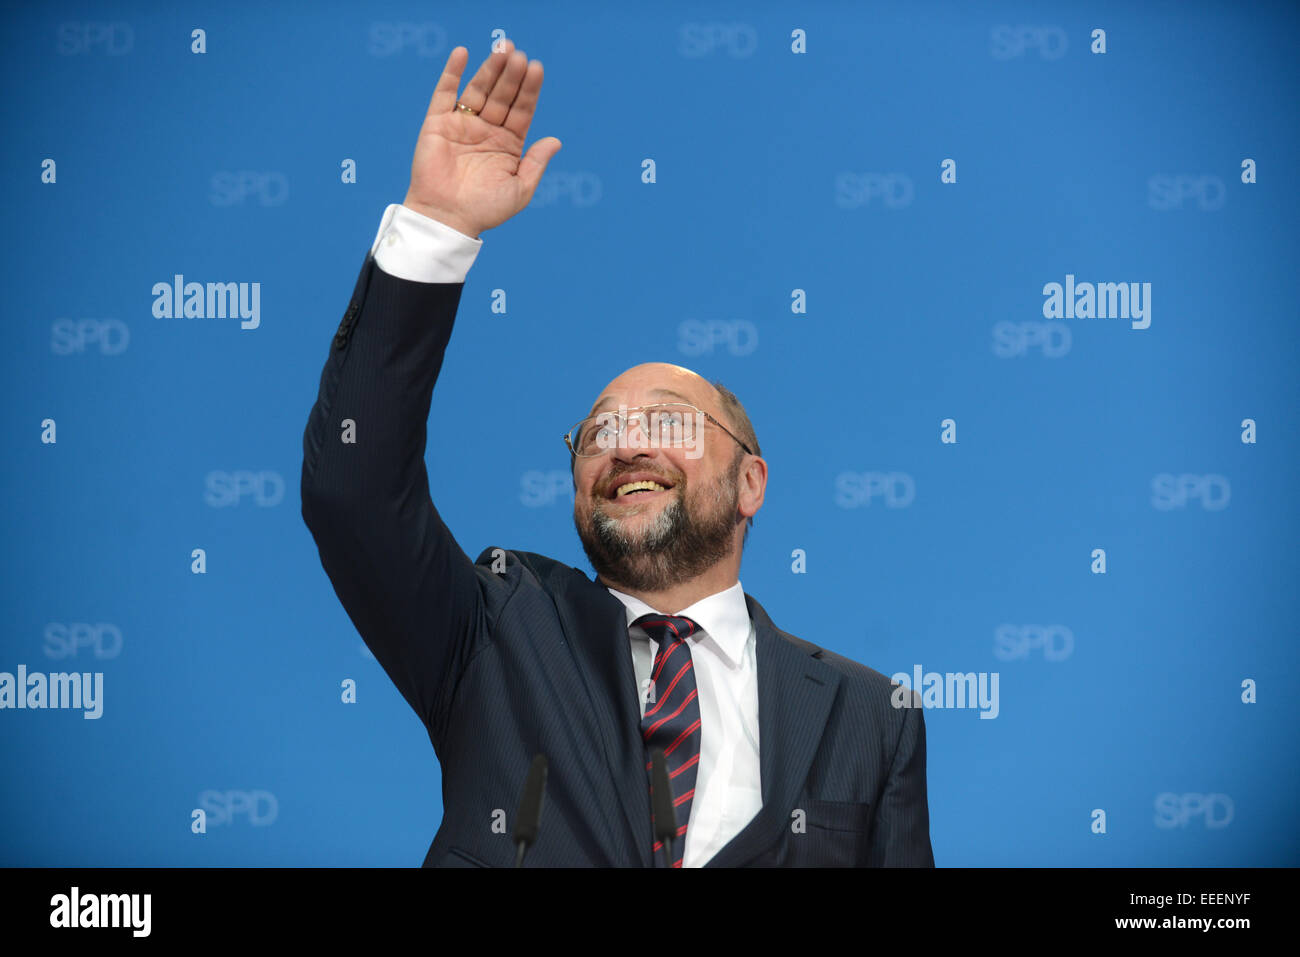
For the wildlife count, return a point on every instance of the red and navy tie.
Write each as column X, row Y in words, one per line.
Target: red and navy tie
column 672, row 718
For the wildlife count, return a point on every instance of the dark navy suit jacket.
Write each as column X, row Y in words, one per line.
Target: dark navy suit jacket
column 516, row 654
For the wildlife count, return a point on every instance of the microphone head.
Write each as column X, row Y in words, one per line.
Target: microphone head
column 664, row 811
column 529, row 819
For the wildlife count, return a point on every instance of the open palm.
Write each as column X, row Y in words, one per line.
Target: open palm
column 469, row 170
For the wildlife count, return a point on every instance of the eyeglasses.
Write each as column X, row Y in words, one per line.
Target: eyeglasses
column 668, row 425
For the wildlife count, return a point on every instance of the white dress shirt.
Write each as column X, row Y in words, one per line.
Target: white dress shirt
column 728, row 791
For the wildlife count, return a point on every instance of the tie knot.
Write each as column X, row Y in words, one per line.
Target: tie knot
column 667, row 627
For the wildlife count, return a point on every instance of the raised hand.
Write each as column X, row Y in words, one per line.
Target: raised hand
column 469, row 170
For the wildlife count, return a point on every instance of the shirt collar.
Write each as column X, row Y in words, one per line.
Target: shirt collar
column 724, row 616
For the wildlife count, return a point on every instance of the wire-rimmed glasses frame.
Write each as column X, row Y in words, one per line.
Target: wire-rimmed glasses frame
column 622, row 420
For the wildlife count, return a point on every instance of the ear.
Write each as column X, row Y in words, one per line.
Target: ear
column 752, row 483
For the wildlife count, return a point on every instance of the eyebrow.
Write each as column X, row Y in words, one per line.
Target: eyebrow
column 668, row 392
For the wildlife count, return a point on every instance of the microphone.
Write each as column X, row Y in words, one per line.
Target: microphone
column 529, row 819
column 665, row 814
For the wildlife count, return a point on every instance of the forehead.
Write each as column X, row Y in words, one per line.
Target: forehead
column 624, row 389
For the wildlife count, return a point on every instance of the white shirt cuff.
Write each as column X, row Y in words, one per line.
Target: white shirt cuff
column 410, row 245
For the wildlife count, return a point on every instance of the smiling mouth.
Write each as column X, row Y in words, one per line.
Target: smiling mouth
column 638, row 491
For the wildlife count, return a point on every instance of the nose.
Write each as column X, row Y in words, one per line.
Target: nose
column 628, row 446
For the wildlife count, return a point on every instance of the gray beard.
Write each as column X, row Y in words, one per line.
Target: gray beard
column 677, row 546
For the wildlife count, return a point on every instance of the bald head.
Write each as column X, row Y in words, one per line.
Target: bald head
column 661, row 380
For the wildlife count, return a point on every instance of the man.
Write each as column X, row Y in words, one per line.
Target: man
column 778, row 752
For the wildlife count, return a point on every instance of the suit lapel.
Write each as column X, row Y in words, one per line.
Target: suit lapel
column 596, row 624
column 795, row 695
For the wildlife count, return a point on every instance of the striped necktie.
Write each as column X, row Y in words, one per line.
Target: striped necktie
column 672, row 719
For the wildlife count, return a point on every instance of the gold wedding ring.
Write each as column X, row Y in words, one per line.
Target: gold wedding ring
column 466, row 109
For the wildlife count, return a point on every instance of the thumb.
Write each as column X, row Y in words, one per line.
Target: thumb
column 533, row 165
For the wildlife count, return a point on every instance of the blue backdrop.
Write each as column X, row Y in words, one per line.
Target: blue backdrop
column 850, row 214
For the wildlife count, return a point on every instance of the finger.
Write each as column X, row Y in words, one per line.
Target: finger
column 503, row 92
column 521, row 111
column 476, row 94
column 444, row 94
column 533, row 165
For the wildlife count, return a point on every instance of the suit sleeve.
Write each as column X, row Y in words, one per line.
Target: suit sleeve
column 902, row 829
column 414, row 596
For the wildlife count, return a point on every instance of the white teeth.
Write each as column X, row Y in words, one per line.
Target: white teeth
column 635, row 486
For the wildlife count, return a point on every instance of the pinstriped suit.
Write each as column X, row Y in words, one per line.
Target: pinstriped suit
column 515, row 653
